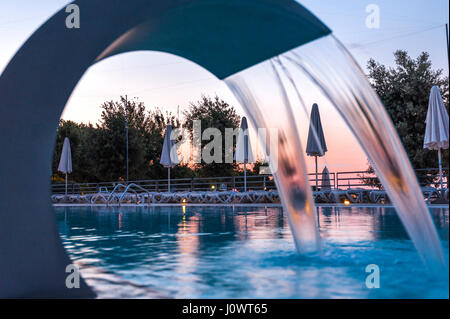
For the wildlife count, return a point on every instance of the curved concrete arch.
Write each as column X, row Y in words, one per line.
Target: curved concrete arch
column 223, row 36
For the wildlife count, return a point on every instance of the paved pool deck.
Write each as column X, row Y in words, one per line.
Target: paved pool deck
column 230, row 205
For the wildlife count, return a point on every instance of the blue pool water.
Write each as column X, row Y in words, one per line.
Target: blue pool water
column 245, row 252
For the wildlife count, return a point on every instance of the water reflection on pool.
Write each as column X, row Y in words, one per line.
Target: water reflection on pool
column 244, row 252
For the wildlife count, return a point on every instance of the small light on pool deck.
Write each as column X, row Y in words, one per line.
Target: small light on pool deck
column 213, row 187
column 346, row 202
column 184, row 201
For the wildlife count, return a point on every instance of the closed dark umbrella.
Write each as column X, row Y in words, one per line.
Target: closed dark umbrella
column 316, row 145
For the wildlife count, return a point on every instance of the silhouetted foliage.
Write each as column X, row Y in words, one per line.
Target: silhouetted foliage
column 405, row 91
column 82, row 159
column 99, row 153
column 213, row 113
column 369, row 178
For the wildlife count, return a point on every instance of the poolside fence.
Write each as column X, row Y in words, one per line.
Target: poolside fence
column 337, row 180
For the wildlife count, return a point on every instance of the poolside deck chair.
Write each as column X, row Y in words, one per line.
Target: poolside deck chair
column 322, row 196
column 273, row 196
column 430, row 193
column 338, row 196
column 224, row 197
column 193, row 197
column 357, row 195
column 378, row 196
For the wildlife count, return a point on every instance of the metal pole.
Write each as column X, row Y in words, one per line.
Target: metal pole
column 440, row 172
column 317, row 180
column 126, row 128
column 336, row 180
column 66, row 184
column 245, row 176
column 448, row 56
column 168, row 184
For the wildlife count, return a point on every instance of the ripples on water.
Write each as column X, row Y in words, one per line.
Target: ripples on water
column 242, row 252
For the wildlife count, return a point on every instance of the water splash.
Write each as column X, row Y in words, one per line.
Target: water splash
column 290, row 173
column 264, row 93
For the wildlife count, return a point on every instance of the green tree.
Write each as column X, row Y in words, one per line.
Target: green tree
column 405, row 91
column 213, row 113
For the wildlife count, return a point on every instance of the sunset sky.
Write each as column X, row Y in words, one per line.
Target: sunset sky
column 168, row 82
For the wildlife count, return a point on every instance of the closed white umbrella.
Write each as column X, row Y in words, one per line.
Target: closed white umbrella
column 243, row 149
column 169, row 156
column 436, row 131
column 65, row 162
column 316, row 145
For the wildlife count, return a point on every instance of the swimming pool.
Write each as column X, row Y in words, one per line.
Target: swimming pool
column 244, row 252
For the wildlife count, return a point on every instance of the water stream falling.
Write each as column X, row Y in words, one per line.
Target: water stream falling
column 271, row 93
